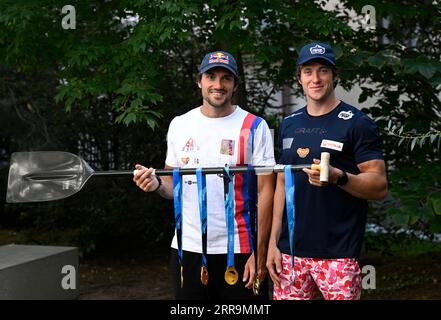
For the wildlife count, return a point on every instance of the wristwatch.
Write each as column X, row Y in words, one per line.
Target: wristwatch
column 342, row 179
column 159, row 183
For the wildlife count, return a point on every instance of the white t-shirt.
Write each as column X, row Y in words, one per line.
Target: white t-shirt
column 195, row 140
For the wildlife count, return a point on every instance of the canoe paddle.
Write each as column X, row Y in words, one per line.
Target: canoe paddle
column 52, row 175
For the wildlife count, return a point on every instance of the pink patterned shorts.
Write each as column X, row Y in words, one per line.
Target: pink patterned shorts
column 336, row 279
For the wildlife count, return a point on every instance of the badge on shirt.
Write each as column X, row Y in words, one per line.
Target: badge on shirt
column 227, row 147
column 287, row 142
column 303, row 152
column 190, row 146
column 185, row 160
column 345, row 115
column 330, row 144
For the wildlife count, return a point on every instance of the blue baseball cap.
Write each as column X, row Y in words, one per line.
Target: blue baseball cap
column 316, row 50
column 218, row 59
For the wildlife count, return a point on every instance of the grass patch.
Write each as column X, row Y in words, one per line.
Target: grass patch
column 400, row 245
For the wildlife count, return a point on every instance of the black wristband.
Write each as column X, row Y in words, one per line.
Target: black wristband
column 159, row 183
column 342, row 179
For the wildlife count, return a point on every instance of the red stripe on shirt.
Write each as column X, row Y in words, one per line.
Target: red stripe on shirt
column 238, row 184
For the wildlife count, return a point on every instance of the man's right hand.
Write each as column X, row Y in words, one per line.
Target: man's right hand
column 274, row 263
column 144, row 178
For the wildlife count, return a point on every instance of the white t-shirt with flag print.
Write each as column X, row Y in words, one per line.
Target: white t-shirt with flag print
column 195, row 140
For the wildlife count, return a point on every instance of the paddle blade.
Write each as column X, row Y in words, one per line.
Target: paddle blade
column 45, row 176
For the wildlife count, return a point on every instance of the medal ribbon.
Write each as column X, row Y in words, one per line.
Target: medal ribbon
column 229, row 214
column 202, row 192
column 290, row 208
column 177, row 199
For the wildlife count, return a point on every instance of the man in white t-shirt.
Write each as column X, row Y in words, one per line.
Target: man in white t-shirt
column 212, row 135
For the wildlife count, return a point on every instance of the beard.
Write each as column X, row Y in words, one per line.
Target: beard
column 217, row 105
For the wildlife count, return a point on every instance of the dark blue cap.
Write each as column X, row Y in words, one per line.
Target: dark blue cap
column 316, row 50
column 218, row 59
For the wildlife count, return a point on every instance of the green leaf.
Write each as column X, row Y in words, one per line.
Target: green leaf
column 136, row 103
column 427, row 70
column 435, row 224
column 414, row 141
column 154, row 113
column 356, row 60
column 129, row 118
column 398, row 217
column 151, row 123
column 421, row 142
column 377, row 61
column 435, row 81
column 400, row 220
column 410, row 66
column 436, row 204
column 235, row 25
column 413, row 219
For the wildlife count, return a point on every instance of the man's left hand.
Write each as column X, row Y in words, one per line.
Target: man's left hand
column 314, row 175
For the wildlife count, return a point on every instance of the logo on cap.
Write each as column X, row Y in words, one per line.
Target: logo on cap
column 317, row 49
column 218, row 57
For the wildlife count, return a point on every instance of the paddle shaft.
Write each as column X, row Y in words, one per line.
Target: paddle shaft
column 66, row 175
column 241, row 169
